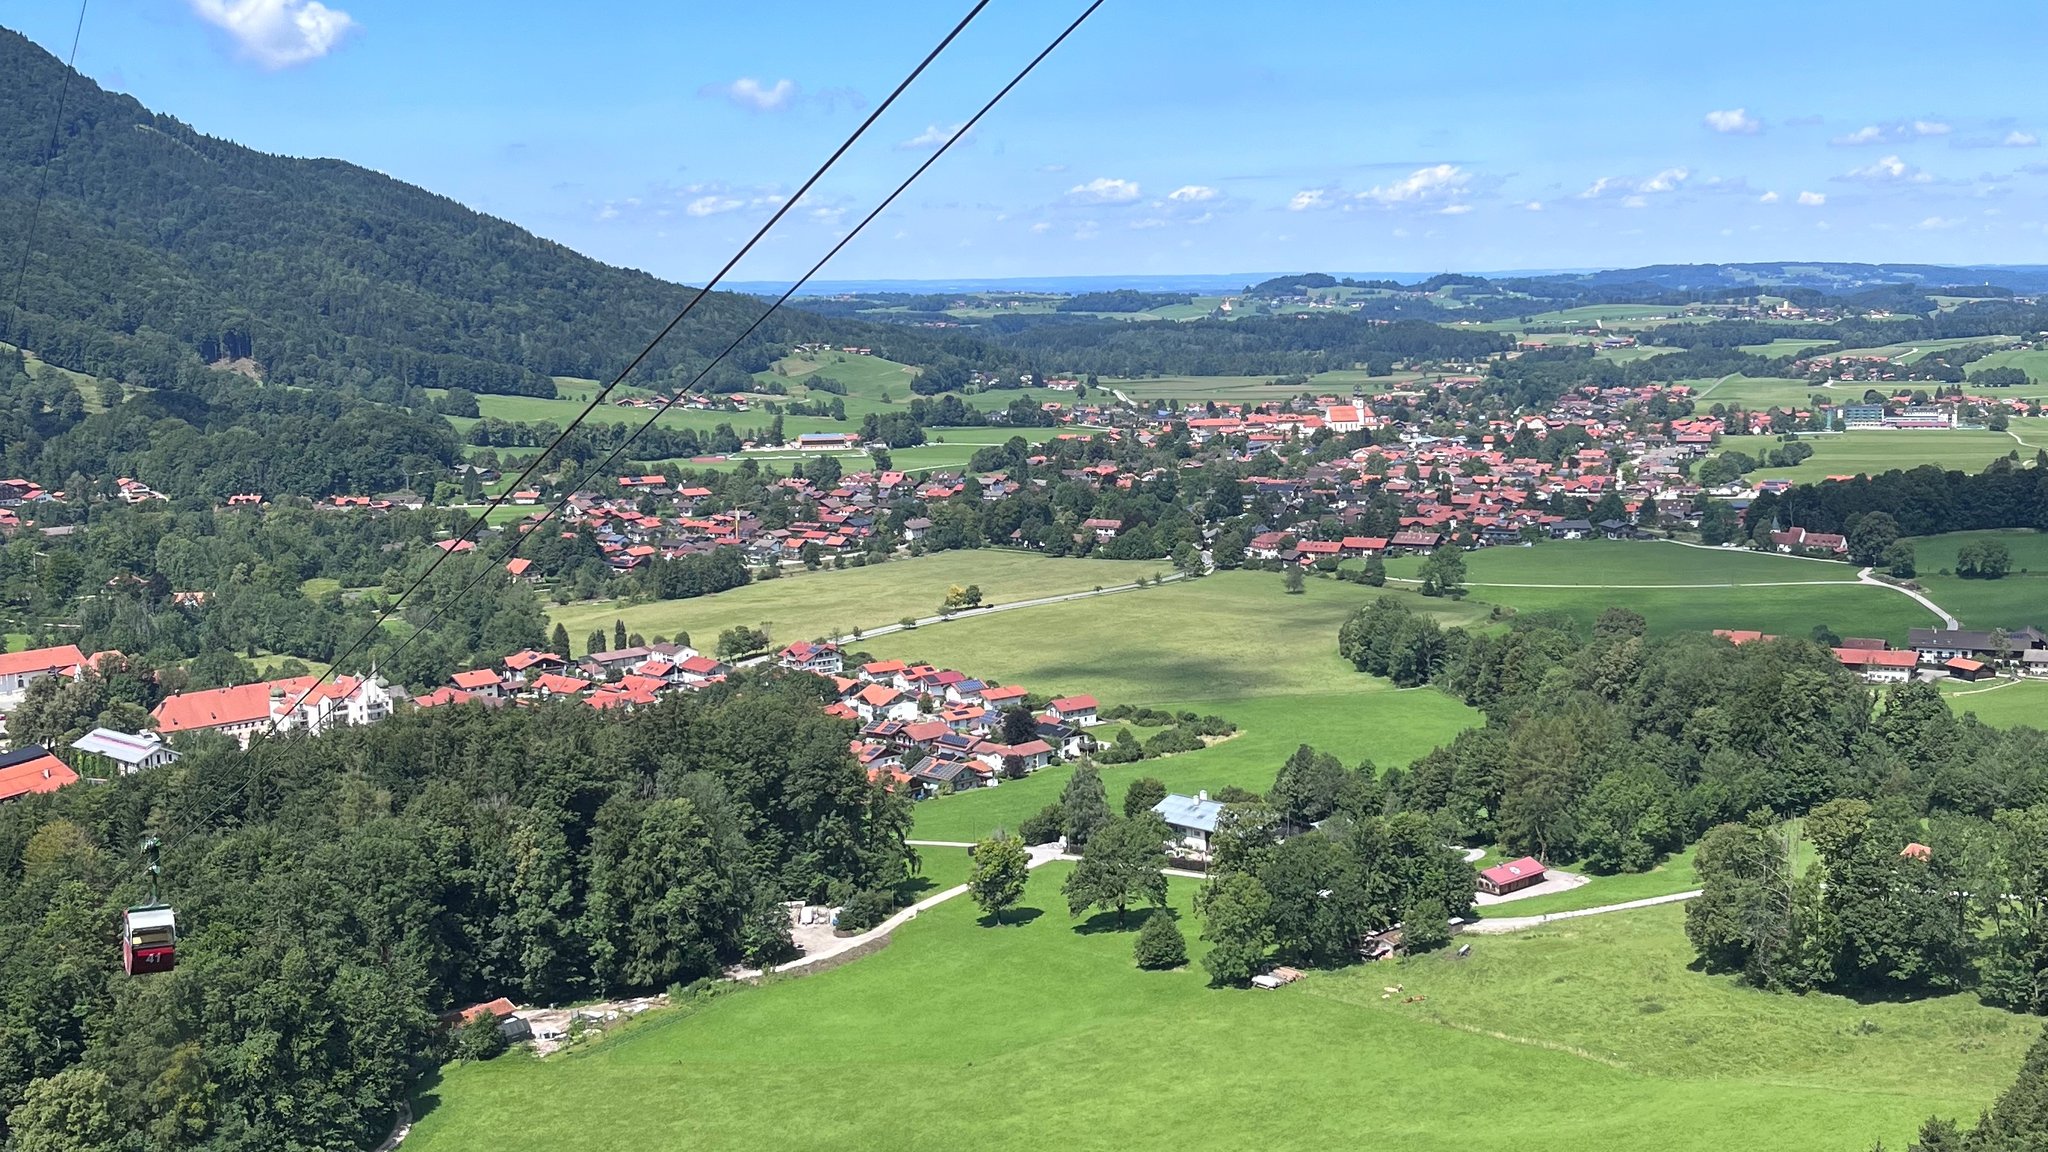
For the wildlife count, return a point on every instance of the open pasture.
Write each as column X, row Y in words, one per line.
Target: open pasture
column 1043, row 1024
column 1875, row 452
column 1195, row 389
column 1616, row 562
column 1681, row 589
column 2001, row 703
column 2015, row 600
column 808, row 605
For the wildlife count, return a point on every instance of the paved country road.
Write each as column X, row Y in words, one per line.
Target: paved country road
column 1504, row 924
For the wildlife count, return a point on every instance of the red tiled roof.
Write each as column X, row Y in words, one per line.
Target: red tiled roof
column 62, row 658
column 32, row 770
column 221, row 707
column 1074, row 704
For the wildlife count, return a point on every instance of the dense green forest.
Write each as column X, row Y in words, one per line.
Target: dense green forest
column 335, row 894
column 1923, row 500
column 1617, row 748
column 158, row 245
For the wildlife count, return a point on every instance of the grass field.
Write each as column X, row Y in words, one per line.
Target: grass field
column 1613, row 562
column 2017, row 599
column 1758, row 393
column 1783, row 347
column 806, row 605
column 2000, row 703
column 996, row 1037
column 1189, row 389
column 1233, row 644
column 1876, row 452
column 1746, row 590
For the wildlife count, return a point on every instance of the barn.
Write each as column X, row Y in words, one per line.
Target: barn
column 1512, row 876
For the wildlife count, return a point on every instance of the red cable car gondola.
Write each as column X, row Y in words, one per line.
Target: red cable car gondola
column 149, row 932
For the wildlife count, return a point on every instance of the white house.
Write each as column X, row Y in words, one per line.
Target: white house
column 20, row 669
column 130, row 754
column 1074, row 710
column 1192, row 818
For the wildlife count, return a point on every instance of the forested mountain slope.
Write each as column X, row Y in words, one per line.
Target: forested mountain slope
column 161, row 247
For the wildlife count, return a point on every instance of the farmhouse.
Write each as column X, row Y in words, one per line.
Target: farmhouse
column 1512, row 876
column 20, row 669
column 1877, row 666
column 32, row 769
column 1192, row 818
column 1939, row 645
column 1800, row 540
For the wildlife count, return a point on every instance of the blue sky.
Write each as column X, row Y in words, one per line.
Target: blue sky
column 1188, row 137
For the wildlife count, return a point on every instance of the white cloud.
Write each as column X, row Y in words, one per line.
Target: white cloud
column 930, row 139
column 1192, row 194
column 1634, row 202
column 1308, row 198
column 1813, row 199
column 2018, row 139
column 1454, row 209
column 1768, row 198
column 713, row 205
column 1104, row 190
column 1040, row 228
column 1894, row 131
column 278, row 33
column 1936, row 223
column 1668, row 180
column 749, row 93
column 1735, row 122
column 1887, row 170
column 1534, row 206
column 1148, row 222
column 1436, row 182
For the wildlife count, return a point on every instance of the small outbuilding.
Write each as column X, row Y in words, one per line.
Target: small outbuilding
column 1512, row 876
column 1964, row 668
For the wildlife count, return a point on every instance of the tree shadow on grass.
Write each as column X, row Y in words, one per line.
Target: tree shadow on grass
column 911, row 889
column 1134, row 919
column 1012, row 918
column 424, row 1098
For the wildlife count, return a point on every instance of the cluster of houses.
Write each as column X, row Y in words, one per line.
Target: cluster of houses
column 936, row 730
column 1955, row 653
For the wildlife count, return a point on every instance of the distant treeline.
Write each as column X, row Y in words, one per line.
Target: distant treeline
column 1122, row 300
column 1925, row 500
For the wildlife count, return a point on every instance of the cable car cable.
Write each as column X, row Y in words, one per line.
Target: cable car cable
column 781, row 210
column 35, row 212
column 529, row 526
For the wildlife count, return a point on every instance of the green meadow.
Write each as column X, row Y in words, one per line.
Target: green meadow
column 808, row 605
column 2001, row 703
column 1682, row 589
column 1589, row 1033
column 1875, row 452
column 2015, row 600
column 1195, row 389
column 1233, row 644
